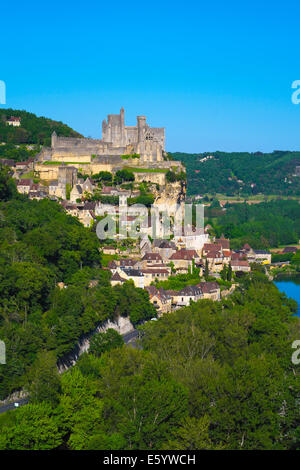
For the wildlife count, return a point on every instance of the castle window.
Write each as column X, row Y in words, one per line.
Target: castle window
column 148, row 136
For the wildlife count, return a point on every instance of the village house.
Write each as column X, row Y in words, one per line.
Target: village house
column 86, row 214
column 160, row 299
column 109, row 191
column 24, row 186
column 256, row 256
column 191, row 240
column 158, row 273
column 24, row 166
column 117, row 279
column 289, row 249
column 151, row 259
column 238, row 255
column 56, row 189
column 76, row 193
column 185, row 296
column 129, row 263
column 13, row 121
column 87, row 186
column 165, row 248
column 210, row 290
column 224, row 242
column 240, row 265
column 184, row 260
column 263, row 256
column 109, row 250
column 87, row 218
column 226, row 256
column 215, row 261
column 135, row 275
column 113, row 266
column 208, row 247
column 70, row 208
column 38, row 195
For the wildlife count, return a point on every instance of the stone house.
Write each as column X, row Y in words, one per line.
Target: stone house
column 135, row 275
column 211, row 290
column 165, row 248
column 263, row 256
column 76, row 193
column 129, row 263
column 57, row 189
column 71, row 209
column 14, row 121
column 215, row 261
column 117, row 279
column 224, row 242
column 184, row 260
column 38, row 195
column 87, row 218
column 159, row 273
column 185, row 296
column 289, row 249
column 87, row 186
column 151, row 259
column 160, row 299
column 24, row 186
column 211, row 247
column 240, row 265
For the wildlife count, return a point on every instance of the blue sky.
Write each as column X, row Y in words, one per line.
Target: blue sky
column 217, row 75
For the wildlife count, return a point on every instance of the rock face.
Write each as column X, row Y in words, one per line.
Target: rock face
column 170, row 195
column 122, row 325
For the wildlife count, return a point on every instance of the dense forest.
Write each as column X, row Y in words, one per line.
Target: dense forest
column 264, row 225
column 41, row 246
column 241, row 174
column 33, row 129
column 215, row 375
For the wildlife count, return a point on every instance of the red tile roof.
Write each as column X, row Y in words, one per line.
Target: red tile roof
column 212, row 247
column 152, row 256
column 184, row 255
column 117, row 277
column 240, row 262
column 214, row 254
column 24, row 182
column 223, row 242
column 208, row 287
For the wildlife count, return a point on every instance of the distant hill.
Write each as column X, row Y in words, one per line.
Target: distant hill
column 241, row 174
column 33, row 129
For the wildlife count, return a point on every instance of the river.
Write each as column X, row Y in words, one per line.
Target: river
column 291, row 287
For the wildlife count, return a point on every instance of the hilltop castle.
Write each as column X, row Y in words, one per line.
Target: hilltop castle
column 140, row 148
column 117, row 139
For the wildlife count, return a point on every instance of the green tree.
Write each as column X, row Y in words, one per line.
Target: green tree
column 229, row 272
column 32, row 427
column 103, row 342
column 43, row 379
column 224, row 272
column 206, row 270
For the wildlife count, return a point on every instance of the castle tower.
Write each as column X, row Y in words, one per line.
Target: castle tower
column 122, row 118
column 104, row 125
column 53, row 139
column 141, row 124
